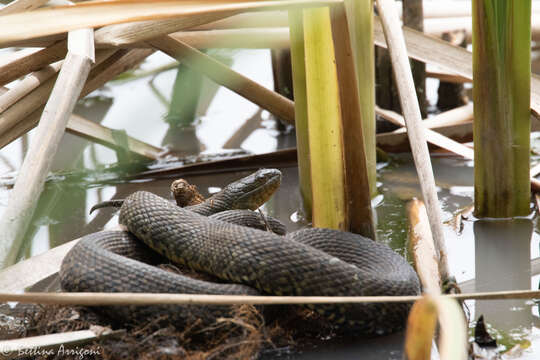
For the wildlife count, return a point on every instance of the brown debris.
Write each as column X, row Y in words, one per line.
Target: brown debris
column 240, row 337
column 185, row 193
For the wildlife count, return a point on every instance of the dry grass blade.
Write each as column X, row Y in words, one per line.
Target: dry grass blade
column 100, row 13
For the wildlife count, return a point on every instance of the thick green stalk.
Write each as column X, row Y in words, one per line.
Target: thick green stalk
column 360, row 18
column 501, row 93
column 296, row 27
column 325, row 127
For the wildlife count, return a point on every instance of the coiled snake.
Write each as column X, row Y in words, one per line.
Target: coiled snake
column 308, row 262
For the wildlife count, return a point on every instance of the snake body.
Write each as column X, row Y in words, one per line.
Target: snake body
column 308, row 262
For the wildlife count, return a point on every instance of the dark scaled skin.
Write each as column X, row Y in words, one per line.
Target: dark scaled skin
column 309, row 262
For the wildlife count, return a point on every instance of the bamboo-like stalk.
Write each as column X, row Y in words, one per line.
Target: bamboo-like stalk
column 30, row 181
column 357, row 181
column 501, row 93
column 411, row 111
column 360, row 19
column 223, row 75
column 324, row 123
column 300, row 108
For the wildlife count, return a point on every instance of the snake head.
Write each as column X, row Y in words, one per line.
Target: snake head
column 254, row 190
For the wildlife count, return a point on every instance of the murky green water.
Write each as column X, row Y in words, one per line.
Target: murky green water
column 483, row 256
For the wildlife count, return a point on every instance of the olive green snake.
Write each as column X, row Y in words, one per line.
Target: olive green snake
column 243, row 260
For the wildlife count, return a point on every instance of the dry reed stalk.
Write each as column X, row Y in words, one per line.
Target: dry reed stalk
column 30, row 271
column 21, row 5
column 27, row 105
column 422, row 249
column 535, row 170
column 36, row 165
column 252, row 20
column 255, row 38
column 275, row 103
column 249, row 38
column 28, row 84
column 411, row 111
column 459, row 115
column 444, row 76
column 32, row 62
column 132, row 33
column 56, row 20
column 431, row 136
column 100, row 134
column 139, row 299
column 112, row 66
column 358, row 192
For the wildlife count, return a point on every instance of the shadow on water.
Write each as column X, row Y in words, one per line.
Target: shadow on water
column 502, row 262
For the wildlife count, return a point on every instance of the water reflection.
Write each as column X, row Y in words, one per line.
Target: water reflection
column 502, row 262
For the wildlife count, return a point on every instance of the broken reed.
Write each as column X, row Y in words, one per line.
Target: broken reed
column 501, row 93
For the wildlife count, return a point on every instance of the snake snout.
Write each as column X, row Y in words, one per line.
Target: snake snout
column 255, row 189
